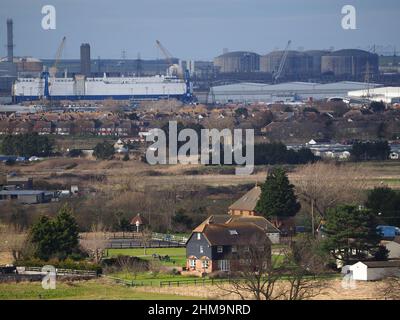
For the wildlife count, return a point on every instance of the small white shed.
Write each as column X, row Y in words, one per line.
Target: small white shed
column 374, row 270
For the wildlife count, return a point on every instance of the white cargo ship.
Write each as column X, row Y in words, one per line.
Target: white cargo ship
column 82, row 88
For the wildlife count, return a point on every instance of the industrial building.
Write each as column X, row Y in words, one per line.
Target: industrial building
column 26, row 196
column 385, row 94
column 352, row 63
column 286, row 92
column 238, row 61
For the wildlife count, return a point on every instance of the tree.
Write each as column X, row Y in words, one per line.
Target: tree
column 350, row 233
column 377, row 106
column 375, row 150
column 103, row 150
column 306, row 263
column 277, row 197
column 385, row 202
column 294, row 276
column 95, row 242
column 27, row 145
column 325, row 185
column 182, row 221
column 258, row 273
column 57, row 237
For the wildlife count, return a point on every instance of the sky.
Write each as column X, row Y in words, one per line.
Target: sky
column 197, row 29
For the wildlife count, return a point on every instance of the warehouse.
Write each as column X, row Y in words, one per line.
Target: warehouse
column 385, row 94
column 287, row 92
column 26, row 196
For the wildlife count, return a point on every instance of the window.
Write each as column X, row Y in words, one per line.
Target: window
column 220, row 249
column 223, row 265
column 192, row 263
column 233, row 232
column 198, row 236
column 205, row 264
column 234, row 249
column 201, row 249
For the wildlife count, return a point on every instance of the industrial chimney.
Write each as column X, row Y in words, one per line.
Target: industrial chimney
column 10, row 44
column 85, row 59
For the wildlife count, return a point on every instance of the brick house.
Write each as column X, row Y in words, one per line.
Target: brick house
column 246, row 204
column 246, row 207
column 218, row 246
column 42, row 127
column 23, row 127
column 63, row 128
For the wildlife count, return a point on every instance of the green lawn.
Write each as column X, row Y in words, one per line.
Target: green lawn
column 177, row 255
column 88, row 290
column 146, row 278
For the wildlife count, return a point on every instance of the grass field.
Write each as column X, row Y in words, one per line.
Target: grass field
column 149, row 279
column 177, row 255
column 83, row 290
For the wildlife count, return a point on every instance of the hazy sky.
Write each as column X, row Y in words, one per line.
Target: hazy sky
column 196, row 29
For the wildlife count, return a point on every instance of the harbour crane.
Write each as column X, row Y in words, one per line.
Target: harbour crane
column 176, row 70
column 53, row 69
column 51, row 73
column 277, row 75
column 173, row 68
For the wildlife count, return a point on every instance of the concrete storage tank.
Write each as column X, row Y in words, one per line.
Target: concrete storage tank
column 316, row 59
column 297, row 63
column 238, row 61
column 353, row 63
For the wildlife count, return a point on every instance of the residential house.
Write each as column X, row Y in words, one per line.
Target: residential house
column 63, row 128
column 106, row 128
column 5, row 127
column 272, row 232
column 23, row 127
column 84, row 127
column 124, row 129
column 246, row 206
column 215, row 247
column 42, row 127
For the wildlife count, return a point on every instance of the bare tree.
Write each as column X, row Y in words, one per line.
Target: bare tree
column 324, row 185
column 95, row 242
column 294, row 275
column 304, row 277
column 13, row 240
column 146, row 239
column 256, row 275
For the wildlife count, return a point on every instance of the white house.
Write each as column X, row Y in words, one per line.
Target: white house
column 374, row 270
